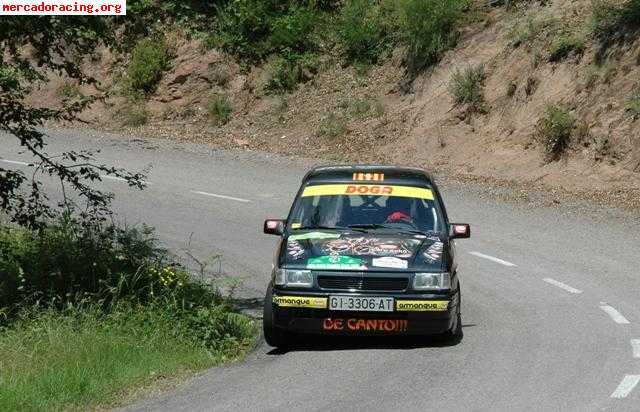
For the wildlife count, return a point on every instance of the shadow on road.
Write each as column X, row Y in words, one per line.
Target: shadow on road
column 248, row 304
column 337, row 343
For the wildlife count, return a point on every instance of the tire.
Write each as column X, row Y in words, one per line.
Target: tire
column 455, row 332
column 274, row 336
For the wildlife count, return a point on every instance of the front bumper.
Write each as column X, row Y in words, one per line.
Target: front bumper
column 419, row 315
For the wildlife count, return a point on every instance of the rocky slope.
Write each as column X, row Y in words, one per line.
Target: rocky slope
column 344, row 115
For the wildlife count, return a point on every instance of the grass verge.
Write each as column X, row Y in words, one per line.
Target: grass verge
column 90, row 311
column 82, row 358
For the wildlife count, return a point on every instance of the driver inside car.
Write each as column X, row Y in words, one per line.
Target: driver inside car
column 399, row 210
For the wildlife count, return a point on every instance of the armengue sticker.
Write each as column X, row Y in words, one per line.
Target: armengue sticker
column 422, row 305
column 300, row 302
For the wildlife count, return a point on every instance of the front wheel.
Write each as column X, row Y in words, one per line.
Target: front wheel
column 274, row 336
column 455, row 332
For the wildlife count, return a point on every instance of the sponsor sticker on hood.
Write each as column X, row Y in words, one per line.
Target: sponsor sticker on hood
column 335, row 262
column 362, row 251
column 389, row 262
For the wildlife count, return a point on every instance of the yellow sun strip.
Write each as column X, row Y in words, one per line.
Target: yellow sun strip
column 369, row 190
column 422, row 305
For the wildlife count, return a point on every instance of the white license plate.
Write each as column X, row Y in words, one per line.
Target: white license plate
column 361, row 303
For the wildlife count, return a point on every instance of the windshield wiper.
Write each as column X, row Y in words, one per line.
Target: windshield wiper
column 370, row 226
column 320, row 228
column 399, row 230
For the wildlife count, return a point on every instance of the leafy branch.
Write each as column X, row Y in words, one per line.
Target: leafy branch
column 30, row 49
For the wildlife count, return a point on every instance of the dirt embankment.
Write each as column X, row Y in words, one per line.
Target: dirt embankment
column 344, row 115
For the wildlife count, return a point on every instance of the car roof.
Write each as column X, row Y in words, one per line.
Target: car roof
column 376, row 174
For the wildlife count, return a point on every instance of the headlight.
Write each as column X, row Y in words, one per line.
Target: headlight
column 432, row 281
column 293, row 277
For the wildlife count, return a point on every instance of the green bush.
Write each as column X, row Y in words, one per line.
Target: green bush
column 283, row 75
column 79, row 260
column 292, row 32
column 361, row 30
column 134, row 113
column 89, row 309
column 554, row 131
column 611, row 22
column 244, row 26
column 285, row 72
column 564, row 45
column 428, row 27
column 149, row 60
column 602, row 147
column 331, row 126
column 72, row 260
column 360, row 107
column 527, row 30
column 68, row 90
column 253, row 29
column 219, row 110
column 75, row 262
column 467, row 88
column 594, row 73
column 634, row 101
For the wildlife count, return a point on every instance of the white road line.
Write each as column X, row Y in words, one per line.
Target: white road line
column 615, row 315
column 493, row 259
column 237, row 199
column 15, row 162
column 562, row 285
column 626, row 386
column 120, row 179
column 635, row 344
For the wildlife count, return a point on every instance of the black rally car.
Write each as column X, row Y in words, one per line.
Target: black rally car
column 366, row 250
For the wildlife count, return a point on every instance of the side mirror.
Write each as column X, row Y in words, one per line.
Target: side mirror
column 274, row 227
column 460, row 231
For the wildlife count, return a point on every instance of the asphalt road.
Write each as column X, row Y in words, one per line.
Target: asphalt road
column 551, row 307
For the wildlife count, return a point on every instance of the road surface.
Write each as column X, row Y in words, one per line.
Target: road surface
column 551, row 296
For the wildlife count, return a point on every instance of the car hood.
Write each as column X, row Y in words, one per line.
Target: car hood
column 368, row 251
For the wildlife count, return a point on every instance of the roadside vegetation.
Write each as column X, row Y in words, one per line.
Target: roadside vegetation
column 554, row 131
column 634, row 101
column 331, row 126
column 89, row 310
column 149, row 60
column 615, row 22
column 467, row 88
column 219, row 110
column 363, row 29
column 133, row 113
column 565, row 45
column 292, row 36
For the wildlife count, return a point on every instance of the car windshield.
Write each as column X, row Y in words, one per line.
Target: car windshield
column 366, row 207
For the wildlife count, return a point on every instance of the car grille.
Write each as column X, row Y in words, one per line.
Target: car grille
column 362, row 283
